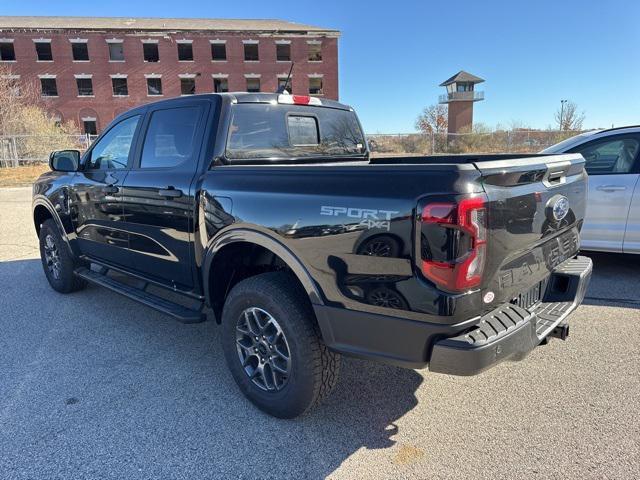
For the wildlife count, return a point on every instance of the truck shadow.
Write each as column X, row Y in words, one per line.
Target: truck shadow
column 615, row 281
column 92, row 371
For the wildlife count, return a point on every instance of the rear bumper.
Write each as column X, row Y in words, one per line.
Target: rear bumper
column 508, row 332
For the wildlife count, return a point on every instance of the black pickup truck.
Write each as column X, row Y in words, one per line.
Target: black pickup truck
column 266, row 212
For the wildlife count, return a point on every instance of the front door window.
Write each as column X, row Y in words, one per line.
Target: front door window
column 112, row 150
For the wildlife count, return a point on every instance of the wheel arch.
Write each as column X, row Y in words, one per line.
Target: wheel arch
column 220, row 249
column 43, row 210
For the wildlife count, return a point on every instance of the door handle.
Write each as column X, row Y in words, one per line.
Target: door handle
column 111, row 189
column 170, row 192
column 611, row 188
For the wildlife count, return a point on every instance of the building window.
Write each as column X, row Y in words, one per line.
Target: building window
column 218, row 52
column 80, row 51
column 315, row 86
column 49, row 87
column 85, row 87
column 185, row 52
column 154, row 86
column 253, row 84
column 89, row 126
column 119, row 85
column 283, row 52
column 187, row 86
column 116, row 52
column 7, row 53
column 282, row 84
column 43, row 51
column 150, row 52
column 251, row 52
column 220, row 85
column 315, row 51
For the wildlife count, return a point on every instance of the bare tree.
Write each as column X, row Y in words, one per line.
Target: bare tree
column 27, row 129
column 568, row 117
column 433, row 119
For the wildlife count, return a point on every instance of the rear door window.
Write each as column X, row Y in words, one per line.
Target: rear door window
column 170, row 138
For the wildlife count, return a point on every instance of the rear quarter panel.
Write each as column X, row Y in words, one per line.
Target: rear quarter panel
column 328, row 216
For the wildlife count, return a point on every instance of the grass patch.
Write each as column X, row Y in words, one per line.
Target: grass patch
column 21, row 176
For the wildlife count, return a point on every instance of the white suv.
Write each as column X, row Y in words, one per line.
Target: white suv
column 612, row 223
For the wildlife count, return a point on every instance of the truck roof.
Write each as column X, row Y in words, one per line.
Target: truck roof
column 261, row 97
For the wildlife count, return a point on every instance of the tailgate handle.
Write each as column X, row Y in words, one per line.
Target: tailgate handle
column 556, row 177
column 556, row 174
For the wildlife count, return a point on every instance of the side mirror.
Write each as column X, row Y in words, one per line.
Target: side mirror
column 64, row 160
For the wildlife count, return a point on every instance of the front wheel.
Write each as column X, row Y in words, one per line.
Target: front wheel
column 272, row 346
column 57, row 262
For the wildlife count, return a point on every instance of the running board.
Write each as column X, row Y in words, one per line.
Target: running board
column 179, row 312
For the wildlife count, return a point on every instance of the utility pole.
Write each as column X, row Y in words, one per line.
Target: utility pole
column 562, row 102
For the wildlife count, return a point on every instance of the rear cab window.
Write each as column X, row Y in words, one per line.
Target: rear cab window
column 264, row 131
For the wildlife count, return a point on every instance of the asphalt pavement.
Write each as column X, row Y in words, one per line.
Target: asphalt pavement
column 93, row 385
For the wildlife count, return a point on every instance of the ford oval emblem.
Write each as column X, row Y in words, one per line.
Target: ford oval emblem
column 559, row 207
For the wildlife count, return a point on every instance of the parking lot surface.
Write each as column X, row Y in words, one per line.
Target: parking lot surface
column 93, row 385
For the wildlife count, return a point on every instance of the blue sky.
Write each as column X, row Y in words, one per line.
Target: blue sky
column 393, row 54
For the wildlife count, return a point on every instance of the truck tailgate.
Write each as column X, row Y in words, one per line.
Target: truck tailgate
column 535, row 211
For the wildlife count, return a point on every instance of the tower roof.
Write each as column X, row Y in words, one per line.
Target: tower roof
column 462, row 76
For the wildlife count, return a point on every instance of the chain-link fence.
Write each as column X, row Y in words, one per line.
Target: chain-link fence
column 18, row 150
column 504, row 141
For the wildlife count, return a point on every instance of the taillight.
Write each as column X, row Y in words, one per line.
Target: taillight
column 455, row 253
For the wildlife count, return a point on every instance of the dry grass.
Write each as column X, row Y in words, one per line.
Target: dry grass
column 21, row 176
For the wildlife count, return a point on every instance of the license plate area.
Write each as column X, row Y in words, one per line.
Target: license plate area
column 532, row 296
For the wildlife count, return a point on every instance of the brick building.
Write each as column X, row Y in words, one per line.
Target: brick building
column 91, row 69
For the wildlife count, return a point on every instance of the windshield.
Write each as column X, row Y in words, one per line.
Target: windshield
column 268, row 131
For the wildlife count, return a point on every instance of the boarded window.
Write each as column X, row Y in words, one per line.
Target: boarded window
column 218, row 52
column 116, row 52
column 251, row 52
column 43, row 51
column 80, row 52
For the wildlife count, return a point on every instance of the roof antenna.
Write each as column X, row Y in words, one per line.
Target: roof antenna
column 283, row 88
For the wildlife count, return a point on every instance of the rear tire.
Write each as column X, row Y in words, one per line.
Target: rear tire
column 272, row 346
column 57, row 262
